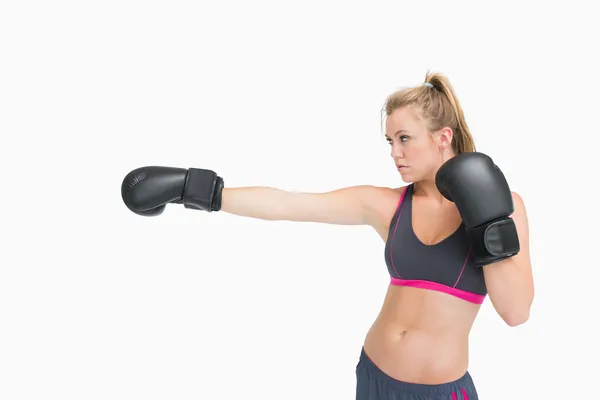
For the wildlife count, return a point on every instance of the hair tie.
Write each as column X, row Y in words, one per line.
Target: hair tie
column 428, row 84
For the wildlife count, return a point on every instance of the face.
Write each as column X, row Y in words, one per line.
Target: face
column 417, row 152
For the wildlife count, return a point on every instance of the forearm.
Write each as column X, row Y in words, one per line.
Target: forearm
column 260, row 202
column 346, row 206
column 511, row 291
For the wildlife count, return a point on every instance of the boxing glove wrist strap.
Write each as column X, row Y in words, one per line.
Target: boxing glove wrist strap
column 494, row 241
column 202, row 190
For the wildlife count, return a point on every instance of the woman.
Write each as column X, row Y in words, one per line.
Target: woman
column 453, row 236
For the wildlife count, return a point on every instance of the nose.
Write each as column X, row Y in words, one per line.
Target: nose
column 396, row 152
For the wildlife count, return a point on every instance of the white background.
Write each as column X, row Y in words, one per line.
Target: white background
column 99, row 303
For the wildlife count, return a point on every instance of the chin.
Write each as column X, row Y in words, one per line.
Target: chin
column 411, row 178
column 406, row 177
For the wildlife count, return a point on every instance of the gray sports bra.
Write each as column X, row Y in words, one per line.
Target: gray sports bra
column 444, row 266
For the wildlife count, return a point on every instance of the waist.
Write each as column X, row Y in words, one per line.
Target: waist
column 418, row 355
column 421, row 336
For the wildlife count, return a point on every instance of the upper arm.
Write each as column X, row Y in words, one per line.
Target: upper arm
column 354, row 205
column 510, row 281
column 519, row 216
column 495, row 277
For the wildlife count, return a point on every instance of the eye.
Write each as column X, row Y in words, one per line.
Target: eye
column 389, row 141
column 403, row 138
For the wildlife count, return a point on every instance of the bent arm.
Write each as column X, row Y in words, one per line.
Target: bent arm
column 510, row 282
column 346, row 206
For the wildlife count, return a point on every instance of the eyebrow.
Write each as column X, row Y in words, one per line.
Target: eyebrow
column 398, row 132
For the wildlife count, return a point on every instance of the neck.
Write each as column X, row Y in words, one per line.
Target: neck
column 427, row 188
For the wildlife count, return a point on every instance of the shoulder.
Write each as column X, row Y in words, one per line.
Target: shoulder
column 377, row 195
column 380, row 204
column 369, row 198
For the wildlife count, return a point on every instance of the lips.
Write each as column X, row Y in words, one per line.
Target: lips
column 400, row 166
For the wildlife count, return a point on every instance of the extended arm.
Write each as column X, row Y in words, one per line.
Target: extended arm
column 147, row 191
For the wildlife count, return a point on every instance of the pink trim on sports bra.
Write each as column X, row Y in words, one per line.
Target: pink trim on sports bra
column 462, row 294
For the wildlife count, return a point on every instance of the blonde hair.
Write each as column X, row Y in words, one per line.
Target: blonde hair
column 435, row 103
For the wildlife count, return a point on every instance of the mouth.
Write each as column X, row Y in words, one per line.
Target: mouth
column 400, row 166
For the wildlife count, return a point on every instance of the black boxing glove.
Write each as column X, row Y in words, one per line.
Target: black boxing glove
column 147, row 190
column 480, row 191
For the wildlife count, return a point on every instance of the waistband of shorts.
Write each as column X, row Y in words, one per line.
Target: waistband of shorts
column 463, row 383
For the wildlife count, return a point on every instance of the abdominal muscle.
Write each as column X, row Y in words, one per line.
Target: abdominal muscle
column 421, row 336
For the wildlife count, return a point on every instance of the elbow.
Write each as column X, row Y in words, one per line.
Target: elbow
column 515, row 318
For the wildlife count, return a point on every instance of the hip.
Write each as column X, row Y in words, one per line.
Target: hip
column 374, row 384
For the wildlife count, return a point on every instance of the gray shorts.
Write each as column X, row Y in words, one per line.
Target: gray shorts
column 374, row 384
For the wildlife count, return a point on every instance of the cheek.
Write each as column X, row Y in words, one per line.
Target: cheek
column 421, row 155
column 415, row 151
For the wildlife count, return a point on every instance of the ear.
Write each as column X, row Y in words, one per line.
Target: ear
column 444, row 137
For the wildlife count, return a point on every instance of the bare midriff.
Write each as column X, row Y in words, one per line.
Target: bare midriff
column 421, row 336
